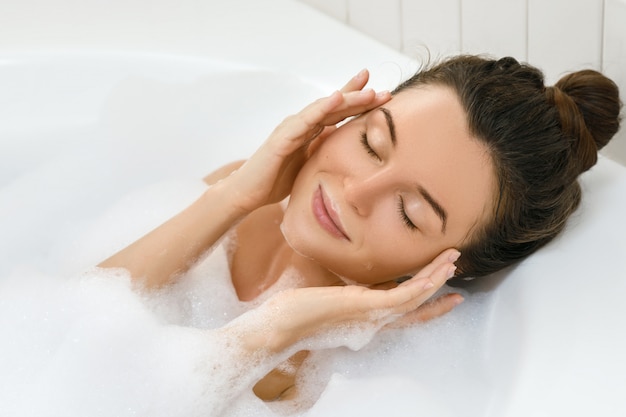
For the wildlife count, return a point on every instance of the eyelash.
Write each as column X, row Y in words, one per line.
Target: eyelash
column 403, row 215
column 405, row 219
column 367, row 146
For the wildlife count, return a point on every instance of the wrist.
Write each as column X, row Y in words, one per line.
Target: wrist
column 258, row 335
column 227, row 198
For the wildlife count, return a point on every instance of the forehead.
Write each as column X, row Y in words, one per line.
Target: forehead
column 436, row 150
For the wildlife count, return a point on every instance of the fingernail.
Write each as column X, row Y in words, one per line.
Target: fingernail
column 366, row 91
column 454, row 256
column 458, row 300
column 429, row 284
column 382, row 94
column 451, row 271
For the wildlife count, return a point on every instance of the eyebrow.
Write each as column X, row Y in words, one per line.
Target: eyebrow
column 437, row 208
column 390, row 124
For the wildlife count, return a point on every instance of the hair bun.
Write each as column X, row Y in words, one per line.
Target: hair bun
column 589, row 107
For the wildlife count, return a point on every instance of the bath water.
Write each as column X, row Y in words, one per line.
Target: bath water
column 88, row 344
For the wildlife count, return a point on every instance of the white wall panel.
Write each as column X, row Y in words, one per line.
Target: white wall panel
column 497, row 27
column 556, row 35
column 377, row 18
column 614, row 65
column 435, row 25
column 564, row 35
column 335, row 8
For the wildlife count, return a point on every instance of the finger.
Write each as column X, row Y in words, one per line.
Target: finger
column 364, row 103
column 355, row 103
column 387, row 285
column 357, row 82
column 419, row 289
column 400, row 299
column 328, row 130
column 304, row 126
column 437, row 307
column 347, row 104
column 316, row 142
column 314, row 113
column 310, row 122
column 447, row 256
column 412, row 293
column 428, row 311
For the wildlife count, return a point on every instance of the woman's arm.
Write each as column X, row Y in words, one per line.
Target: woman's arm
column 175, row 245
column 222, row 172
column 265, row 178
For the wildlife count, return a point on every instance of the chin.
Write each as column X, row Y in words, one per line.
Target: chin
column 301, row 241
column 295, row 240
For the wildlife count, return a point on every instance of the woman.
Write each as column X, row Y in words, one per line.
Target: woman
column 471, row 156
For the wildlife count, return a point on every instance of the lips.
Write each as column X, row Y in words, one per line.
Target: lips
column 326, row 215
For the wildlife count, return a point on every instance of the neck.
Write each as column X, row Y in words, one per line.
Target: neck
column 313, row 274
column 262, row 257
column 309, row 273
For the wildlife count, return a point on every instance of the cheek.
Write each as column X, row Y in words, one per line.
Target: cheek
column 295, row 234
column 396, row 257
column 294, row 224
column 390, row 253
column 394, row 252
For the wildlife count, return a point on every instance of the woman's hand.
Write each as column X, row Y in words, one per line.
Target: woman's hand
column 267, row 177
column 325, row 317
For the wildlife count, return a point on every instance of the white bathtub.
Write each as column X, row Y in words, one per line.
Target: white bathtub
column 183, row 98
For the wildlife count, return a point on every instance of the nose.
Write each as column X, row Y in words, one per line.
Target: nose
column 361, row 192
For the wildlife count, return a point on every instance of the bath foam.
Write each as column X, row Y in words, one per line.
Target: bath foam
column 387, row 395
column 448, row 349
column 441, row 359
column 90, row 345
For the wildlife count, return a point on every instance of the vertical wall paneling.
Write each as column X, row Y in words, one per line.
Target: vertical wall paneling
column 614, row 65
column 377, row 18
column 497, row 27
column 335, row 8
column 435, row 25
column 564, row 35
column 556, row 35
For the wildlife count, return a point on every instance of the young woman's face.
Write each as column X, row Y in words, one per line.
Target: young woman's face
column 391, row 189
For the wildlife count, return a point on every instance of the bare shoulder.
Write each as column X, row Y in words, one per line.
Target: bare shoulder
column 222, row 172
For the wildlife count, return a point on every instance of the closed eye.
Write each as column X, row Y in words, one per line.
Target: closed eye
column 405, row 218
column 367, row 147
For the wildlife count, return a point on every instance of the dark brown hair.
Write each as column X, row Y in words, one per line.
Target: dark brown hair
column 540, row 140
